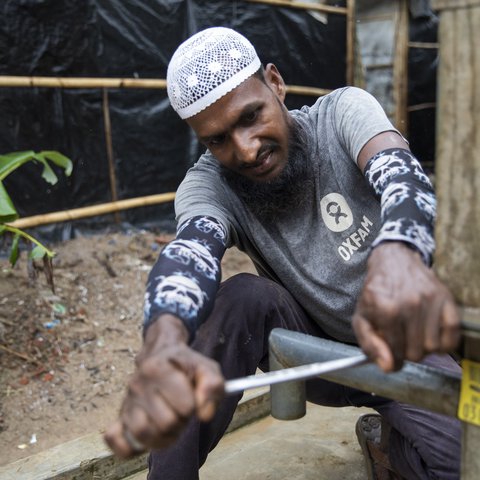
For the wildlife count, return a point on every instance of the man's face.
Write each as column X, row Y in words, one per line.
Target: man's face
column 247, row 130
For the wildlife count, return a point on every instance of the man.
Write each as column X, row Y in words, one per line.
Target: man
column 336, row 214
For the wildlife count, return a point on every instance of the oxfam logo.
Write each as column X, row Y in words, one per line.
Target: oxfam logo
column 335, row 212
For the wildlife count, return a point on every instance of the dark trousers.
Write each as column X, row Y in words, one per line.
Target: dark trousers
column 423, row 445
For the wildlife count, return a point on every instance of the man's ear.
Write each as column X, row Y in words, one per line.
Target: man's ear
column 275, row 81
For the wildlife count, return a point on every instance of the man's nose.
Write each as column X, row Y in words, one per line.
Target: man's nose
column 246, row 147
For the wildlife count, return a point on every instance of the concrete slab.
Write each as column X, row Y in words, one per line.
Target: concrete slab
column 88, row 457
column 322, row 445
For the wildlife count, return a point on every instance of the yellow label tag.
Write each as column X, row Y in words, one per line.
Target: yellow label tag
column 469, row 405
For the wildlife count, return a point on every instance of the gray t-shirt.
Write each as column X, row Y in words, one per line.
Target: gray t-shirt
column 317, row 251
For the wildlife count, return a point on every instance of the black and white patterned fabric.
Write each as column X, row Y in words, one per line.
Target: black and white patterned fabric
column 186, row 276
column 408, row 204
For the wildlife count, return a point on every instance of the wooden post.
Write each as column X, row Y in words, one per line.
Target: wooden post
column 458, row 147
column 400, row 68
column 109, row 146
column 458, row 179
column 350, row 56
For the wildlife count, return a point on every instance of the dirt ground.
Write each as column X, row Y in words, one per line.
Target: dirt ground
column 65, row 356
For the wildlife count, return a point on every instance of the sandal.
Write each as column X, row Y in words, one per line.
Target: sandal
column 372, row 433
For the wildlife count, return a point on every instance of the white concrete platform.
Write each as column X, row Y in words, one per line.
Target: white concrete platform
column 322, row 445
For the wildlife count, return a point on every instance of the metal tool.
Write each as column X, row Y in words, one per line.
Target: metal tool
column 295, row 373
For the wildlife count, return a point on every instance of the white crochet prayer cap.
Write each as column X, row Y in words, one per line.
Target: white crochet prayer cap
column 206, row 67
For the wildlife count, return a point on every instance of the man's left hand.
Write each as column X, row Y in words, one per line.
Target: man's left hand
column 404, row 312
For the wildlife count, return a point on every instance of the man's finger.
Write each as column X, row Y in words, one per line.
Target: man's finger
column 374, row 346
column 177, row 391
column 450, row 327
column 116, row 440
column 138, row 426
column 414, row 337
column 209, row 386
column 433, row 329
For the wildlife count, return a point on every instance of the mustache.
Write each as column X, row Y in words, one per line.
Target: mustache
column 263, row 151
column 270, row 200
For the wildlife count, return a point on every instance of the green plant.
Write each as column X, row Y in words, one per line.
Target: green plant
column 9, row 163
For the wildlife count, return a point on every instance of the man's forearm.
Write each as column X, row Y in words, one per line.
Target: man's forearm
column 184, row 280
column 408, row 204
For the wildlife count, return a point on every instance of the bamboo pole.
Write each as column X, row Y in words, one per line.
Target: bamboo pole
column 379, row 17
column 432, row 45
column 312, row 91
column 92, row 211
column 81, row 82
column 421, row 106
column 400, row 70
column 109, row 147
column 96, row 83
column 445, row 5
column 379, row 66
column 350, row 56
column 303, row 6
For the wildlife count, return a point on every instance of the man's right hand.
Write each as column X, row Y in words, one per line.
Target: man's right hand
column 171, row 383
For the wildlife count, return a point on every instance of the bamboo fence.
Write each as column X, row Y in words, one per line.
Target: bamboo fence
column 106, row 84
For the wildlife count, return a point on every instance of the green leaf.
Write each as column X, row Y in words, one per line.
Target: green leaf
column 47, row 174
column 11, row 161
column 37, row 253
column 2, row 229
column 59, row 160
column 14, row 250
column 7, row 209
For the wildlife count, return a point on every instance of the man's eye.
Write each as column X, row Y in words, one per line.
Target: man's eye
column 251, row 116
column 215, row 141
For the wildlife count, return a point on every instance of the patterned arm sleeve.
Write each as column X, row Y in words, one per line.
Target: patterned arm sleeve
column 408, row 205
column 186, row 276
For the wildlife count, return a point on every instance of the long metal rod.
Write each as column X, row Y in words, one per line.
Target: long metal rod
column 415, row 384
column 294, row 373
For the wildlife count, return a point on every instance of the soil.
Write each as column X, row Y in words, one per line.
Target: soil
column 65, row 356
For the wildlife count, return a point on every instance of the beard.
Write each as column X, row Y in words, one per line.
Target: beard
column 274, row 198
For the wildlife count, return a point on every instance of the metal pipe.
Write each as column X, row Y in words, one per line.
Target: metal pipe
column 288, row 400
column 417, row 384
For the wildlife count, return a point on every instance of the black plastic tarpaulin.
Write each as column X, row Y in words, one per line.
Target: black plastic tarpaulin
column 422, row 85
column 152, row 147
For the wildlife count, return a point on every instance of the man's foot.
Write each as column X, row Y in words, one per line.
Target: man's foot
column 372, row 433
